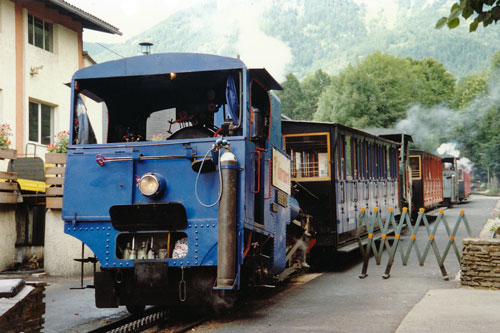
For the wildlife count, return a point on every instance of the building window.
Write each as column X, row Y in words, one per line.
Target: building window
column 40, row 123
column 39, row 33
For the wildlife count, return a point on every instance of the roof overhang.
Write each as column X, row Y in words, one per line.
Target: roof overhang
column 87, row 20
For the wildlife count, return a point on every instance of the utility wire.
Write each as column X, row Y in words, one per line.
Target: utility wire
column 107, row 48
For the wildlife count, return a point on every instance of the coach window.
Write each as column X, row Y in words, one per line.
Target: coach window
column 309, row 155
column 348, row 156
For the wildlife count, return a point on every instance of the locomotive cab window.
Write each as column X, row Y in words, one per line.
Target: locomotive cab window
column 162, row 107
column 260, row 113
column 310, row 156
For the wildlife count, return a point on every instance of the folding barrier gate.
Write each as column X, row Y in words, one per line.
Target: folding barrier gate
column 368, row 224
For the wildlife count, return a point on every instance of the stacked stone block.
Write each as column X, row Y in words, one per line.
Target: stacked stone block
column 480, row 263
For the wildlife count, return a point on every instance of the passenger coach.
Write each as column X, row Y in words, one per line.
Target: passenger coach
column 337, row 171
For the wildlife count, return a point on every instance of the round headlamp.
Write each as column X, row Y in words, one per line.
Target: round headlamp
column 151, row 184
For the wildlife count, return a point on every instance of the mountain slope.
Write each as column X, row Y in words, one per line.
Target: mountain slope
column 300, row 36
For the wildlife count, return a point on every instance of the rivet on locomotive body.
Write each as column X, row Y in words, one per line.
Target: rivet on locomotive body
column 201, row 226
column 107, row 258
column 196, row 238
column 196, row 262
column 196, row 257
column 69, row 229
column 196, row 244
column 196, row 232
column 107, row 240
column 81, row 229
column 91, row 229
column 107, row 234
column 208, row 225
column 106, row 264
column 196, row 250
column 121, row 264
column 97, row 228
column 114, row 264
column 107, row 246
column 127, row 264
column 109, row 228
column 86, row 229
column 213, row 225
column 196, row 226
column 74, row 229
column 107, row 252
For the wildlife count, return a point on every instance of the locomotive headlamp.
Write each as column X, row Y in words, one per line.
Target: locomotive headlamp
column 152, row 184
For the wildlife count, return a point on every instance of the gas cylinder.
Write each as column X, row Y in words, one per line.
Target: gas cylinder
column 151, row 252
column 126, row 251
column 226, row 251
column 142, row 252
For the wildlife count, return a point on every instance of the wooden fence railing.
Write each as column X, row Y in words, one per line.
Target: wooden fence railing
column 55, row 178
column 8, row 185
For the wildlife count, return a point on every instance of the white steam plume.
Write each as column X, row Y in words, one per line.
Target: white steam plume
column 448, row 149
column 255, row 47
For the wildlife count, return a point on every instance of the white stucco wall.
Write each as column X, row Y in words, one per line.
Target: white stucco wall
column 7, row 65
column 48, row 85
column 7, row 236
column 61, row 249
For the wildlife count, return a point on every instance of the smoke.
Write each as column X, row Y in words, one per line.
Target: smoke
column 465, row 164
column 427, row 126
column 451, row 149
column 255, row 47
column 430, row 127
column 448, row 149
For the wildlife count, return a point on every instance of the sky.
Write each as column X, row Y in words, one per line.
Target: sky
column 131, row 17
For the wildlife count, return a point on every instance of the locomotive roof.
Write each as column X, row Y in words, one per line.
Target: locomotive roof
column 389, row 133
column 357, row 131
column 165, row 63
column 423, row 152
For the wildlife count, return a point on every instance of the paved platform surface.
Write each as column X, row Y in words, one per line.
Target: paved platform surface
column 73, row 310
column 454, row 310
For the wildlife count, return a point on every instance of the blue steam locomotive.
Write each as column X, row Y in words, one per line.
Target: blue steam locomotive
column 189, row 195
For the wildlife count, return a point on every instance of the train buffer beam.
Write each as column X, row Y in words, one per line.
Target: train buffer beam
column 407, row 244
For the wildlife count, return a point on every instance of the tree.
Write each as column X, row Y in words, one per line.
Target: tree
column 291, row 96
column 437, row 85
column 485, row 12
column 377, row 91
column 312, row 87
column 300, row 99
column 468, row 88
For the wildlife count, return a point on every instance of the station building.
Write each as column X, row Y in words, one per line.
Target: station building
column 41, row 47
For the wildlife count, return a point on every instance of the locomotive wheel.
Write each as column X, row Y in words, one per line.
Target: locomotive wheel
column 135, row 309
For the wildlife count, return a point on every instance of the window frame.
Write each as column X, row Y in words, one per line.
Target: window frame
column 327, row 135
column 39, row 140
column 419, row 167
column 46, row 34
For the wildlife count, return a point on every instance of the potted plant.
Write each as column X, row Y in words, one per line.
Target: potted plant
column 5, row 152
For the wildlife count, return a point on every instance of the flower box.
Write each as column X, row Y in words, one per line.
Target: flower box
column 55, row 158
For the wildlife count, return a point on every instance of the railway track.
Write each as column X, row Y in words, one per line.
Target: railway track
column 160, row 317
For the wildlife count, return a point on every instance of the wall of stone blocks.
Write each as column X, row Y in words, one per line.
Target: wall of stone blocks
column 480, row 263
